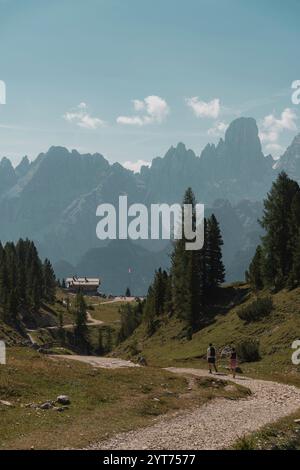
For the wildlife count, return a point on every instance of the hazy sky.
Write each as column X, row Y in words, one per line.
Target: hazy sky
column 129, row 78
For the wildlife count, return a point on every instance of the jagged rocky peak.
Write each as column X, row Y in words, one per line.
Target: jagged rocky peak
column 208, row 151
column 7, row 175
column 23, row 167
column 242, row 136
column 290, row 160
column 175, row 156
column 5, row 164
column 57, row 150
column 6, row 168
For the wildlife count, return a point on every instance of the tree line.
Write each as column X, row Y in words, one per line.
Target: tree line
column 25, row 280
column 276, row 263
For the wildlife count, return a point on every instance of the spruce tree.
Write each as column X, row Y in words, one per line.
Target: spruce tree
column 61, row 330
column 279, row 222
column 81, row 330
column 215, row 271
column 109, row 340
column 149, row 312
column 49, row 282
column 127, row 293
column 255, row 273
column 294, row 277
column 100, row 347
column 187, row 275
column 22, row 279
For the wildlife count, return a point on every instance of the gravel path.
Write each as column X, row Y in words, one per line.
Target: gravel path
column 96, row 361
column 215, row 425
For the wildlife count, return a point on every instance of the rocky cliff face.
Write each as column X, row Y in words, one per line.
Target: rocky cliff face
column 7, row 175
column 235, row 169
column 290, row 160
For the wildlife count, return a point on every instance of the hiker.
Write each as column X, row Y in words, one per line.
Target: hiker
column 233, row 362
column 211, row 358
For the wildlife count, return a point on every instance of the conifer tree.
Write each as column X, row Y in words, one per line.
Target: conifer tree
column 81, row 329
column 127, row 293
column 279, row 222
column 215, row 271
column 22, row 283
column 100, row 347
column 61, row 330
column 49, row 282
column 255, row 273
column 294, row 277
column 187, row 275
column 109, row 340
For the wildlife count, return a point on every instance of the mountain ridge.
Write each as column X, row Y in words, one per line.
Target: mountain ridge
column 53, row 199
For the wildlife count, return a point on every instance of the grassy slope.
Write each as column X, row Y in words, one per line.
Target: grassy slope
column 283, row 435
column 9, row 335
column 49, row 316
column 103, row 402
column 106, row 312
column 130, row 403
column 275, row 333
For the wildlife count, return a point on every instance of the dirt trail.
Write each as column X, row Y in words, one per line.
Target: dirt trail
column 215, row 425
column 96, row 361
column 90, row 322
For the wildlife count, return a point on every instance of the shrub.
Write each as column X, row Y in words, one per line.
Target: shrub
column 245, row 443
column 248, row 350
column 257, row 310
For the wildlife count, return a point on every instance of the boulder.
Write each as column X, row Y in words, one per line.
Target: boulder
column 46, row 406
column 63, row 400
column 6, row 403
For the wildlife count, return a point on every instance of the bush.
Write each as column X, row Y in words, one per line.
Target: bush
column 257, row 310
column 248, row 351
column 245, row 443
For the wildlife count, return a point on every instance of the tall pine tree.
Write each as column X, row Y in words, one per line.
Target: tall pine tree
column 187, row 275
column 215, row 271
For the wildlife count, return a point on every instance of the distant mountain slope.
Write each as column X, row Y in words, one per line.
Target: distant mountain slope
column 54, row 181
column 7, row 175
column 290, row 160
column 114, row 262
column 235, row 169
column 53, row 200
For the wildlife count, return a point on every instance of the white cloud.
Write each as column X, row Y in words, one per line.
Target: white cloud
column 133, row 120
column 138, row 105
column 275, row 149
column 154, row 108
column 271, row 127
column 81, row 117
column 211, row 109
column 136, row 166
column 218, row 129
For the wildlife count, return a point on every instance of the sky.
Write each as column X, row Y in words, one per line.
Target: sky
column 130, row 78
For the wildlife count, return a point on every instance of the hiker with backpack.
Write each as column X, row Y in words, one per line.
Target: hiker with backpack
column 211, row 358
